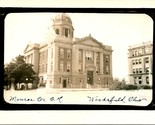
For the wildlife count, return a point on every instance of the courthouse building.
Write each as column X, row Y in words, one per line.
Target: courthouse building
column 140, row 64
column 63, row 61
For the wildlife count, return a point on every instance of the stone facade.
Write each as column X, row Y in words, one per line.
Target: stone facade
column 140, row 64
column 63, row 61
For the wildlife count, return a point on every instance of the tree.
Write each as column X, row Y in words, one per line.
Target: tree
column 19, row 70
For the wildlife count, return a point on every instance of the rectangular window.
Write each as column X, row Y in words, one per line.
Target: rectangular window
column 43, row 55
column 43, row 68
column 51, row 66
column 133, row 62
column 52, row 53
column 147, row 60
column 61, row 53
column 136, row 53
column 107, row 70
column 136, row 61
column 140, row 61
column 80, row 67
column 134, row 71
column 68, row 67
column 68, row 80
column 135, row 80
column 60, row 80
column 97, row 57
column 146, row 50
column 66, row 32
column 97, row 69
column 61, row 66
column 133, row 53
column 89, row 55
column 107, row 59
column 140, row 80
column 80, row 55
column 46, row 67
column 147, row 80
column 147, row 69
column 140, row 52
column 68, row 54
column 140, row 70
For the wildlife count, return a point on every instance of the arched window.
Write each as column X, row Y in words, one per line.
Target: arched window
column 57, row 31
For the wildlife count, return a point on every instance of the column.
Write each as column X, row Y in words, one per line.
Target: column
column 101, row 63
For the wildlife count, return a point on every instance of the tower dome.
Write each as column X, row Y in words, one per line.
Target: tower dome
column 62, row 19
column 62, row 25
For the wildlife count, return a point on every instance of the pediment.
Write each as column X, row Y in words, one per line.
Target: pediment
column 89, row 41
column 28, row 47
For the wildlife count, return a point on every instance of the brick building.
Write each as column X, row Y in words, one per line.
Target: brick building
column 63, row 61
column 140, row 64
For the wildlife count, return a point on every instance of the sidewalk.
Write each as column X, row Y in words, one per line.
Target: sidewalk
column 71, row 89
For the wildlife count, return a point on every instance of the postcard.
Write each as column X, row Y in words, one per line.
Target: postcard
column 78, row 58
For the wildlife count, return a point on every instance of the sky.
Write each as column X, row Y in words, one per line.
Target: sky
column 116, row 30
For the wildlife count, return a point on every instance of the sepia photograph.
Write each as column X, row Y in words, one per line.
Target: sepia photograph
column 78, row 58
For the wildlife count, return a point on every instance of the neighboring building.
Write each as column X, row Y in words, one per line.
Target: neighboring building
column 140, row 64
column 63, row 61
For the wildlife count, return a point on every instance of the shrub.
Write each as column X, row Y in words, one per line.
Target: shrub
column 130, row 87
column 145, row 87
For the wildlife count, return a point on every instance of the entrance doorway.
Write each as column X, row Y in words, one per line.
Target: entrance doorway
column 90, row 77
column 64, row 83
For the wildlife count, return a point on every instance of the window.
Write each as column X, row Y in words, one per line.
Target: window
column 61, row 66
column 133, row 62
column 61, row 53
column 107, row 70
column 80, row 55
column 147, row 80
column 140, row 52
column 51, row 66
column 68, row 54
column 57, row 31
column 135, row 80
column 52, row 53
column 68, row 67
column 66, row 32
column 43, row 55
column 136, row 61
column 140, row 80
column 97, row 69
column 146, row 51
column 46, row 67
column 60, row 80
column 140, row 70
column 80, row 67
column 134, row 71
column 40, row 56
column 136, row 53
column 89, row 55
column 43, row 68
column 147, row 69
column 97, row 57
column 147, row 60
column 107, row 59
column 133, row 53
column 68, row 80
column 140, row 61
